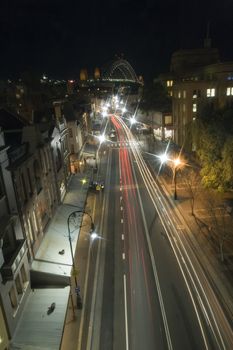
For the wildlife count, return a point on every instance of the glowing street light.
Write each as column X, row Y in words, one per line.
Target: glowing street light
column 177, row 162
column 84, row 181
column 124, row 110
column 132, row 120
column 101, row 138
column 163, row 158
column 93, row 236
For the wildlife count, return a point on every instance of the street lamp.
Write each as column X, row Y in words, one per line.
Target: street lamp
column 73, row 215
column 174, row 164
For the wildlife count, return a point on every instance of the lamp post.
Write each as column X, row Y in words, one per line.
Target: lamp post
column 176, row 164
column 73, row 215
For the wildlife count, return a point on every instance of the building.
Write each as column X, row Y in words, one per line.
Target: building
column 196, row 78
column 14, row 265
column 60, row 149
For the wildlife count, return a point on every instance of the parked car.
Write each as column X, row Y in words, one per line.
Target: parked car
column 97, row 185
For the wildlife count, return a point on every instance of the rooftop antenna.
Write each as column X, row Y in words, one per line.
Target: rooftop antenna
column 207, row 41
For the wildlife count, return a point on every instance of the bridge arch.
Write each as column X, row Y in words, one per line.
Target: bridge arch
column 120, row 69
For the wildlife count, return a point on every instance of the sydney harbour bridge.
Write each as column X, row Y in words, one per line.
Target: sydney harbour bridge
column 114, row 75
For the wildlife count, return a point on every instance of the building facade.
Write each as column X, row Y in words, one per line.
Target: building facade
column 197, row 78
column 14, row 265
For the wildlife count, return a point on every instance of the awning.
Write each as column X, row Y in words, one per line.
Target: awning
column 40, row 279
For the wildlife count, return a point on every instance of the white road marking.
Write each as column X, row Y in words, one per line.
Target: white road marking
column 121, row 208
column 122, row 221
column 123, row 256
column 122, row 237
column 126, row 316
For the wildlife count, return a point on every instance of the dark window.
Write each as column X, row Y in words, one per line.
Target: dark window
column 1, row 187
column 36, row 168
column 58, row 159
column 29, row 180
column 24, row 187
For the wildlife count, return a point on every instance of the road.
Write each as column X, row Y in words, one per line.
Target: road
column 154, row 294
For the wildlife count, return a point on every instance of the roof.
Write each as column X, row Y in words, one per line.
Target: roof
column 11, row 121
column 38, row 330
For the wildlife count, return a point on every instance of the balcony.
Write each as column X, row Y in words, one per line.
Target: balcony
column 10, row 267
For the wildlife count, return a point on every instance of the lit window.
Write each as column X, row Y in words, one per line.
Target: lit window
column 168, row 119
column 210, row 92
column 169, row 82
column 179, row 94
column 194, row 107
column 184, row 94
column 170, row 93
column 230, row 91
column 184, row 107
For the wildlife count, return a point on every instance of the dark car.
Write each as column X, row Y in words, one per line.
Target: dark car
column 96, row 185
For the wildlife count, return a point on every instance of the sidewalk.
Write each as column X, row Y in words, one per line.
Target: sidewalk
column 219, row 275
column 51, row 279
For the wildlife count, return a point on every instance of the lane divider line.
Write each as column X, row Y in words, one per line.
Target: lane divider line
column 126, row 316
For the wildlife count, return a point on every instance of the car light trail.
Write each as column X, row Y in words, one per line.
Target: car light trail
column 127, row 181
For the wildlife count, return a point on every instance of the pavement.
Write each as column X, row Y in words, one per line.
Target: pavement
column 52, row 276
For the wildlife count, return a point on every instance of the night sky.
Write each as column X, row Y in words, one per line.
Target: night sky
column 60, row 37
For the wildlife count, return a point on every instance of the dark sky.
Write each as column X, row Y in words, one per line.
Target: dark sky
column 60, row 37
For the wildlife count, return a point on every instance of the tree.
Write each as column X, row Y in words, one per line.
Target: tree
column 192, row 183
column 227, row 159
column 155, row 98
column 219, row 221
column 213, row 135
